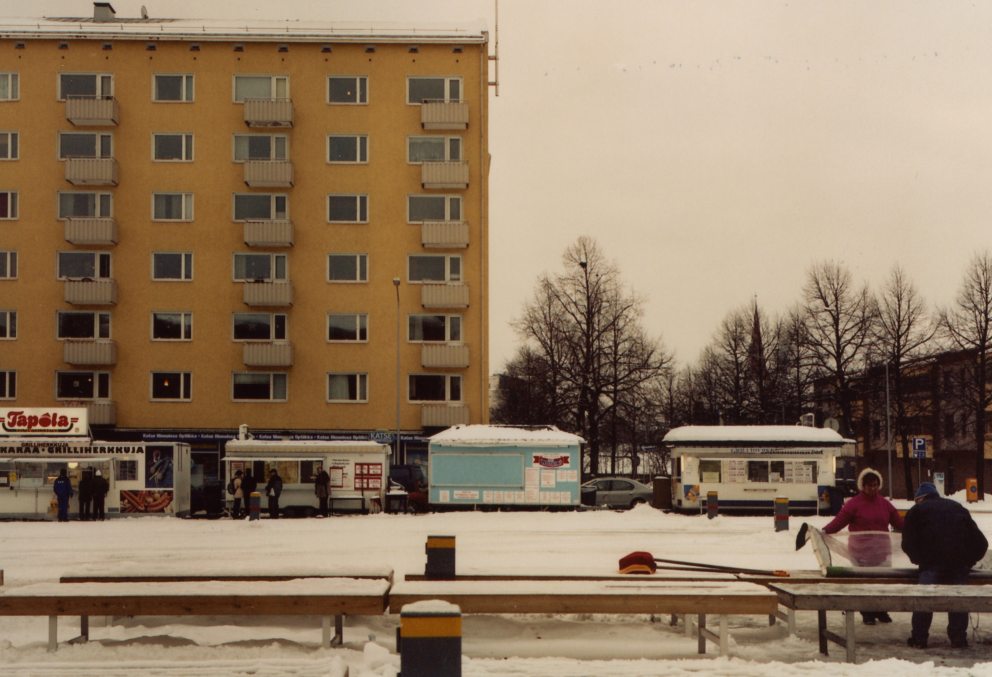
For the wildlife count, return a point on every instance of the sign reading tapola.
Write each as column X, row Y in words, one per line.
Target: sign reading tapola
column 24, row 422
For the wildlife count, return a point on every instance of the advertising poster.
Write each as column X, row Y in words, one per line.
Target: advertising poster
column 146, row 501
column 158, row 467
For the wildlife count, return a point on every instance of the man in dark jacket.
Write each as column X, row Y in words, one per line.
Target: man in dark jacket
column 62, row 487
column 248, row 486
column 273, row 488
column 86, row 495
column 100, row 486
column 943, row 540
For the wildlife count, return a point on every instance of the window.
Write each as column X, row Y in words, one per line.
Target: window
column 434, row 268
column 82, row 385
column 172, row 326
column 8, row 384
column 259, row 327
column 86, row 86
column 8, row 324
column 85, row 144
column 8, row 204
column 347, row 268
column 347, row 388
column 260, row 147
column 259, row 386
column 260, row 207
column 84, row 265
column 8, row 145
column 172, row 88
column 348, row 327
column 83, row 325
column 348, row 208
column 172, row 206
column 172, row 385
column 347, row 89
column 172, row 147
column 172, row 266
column 85, row 205
column 434, row 149
column 9, row 89
column 433, row 208
column 259, row 267
column 8, row 265
column 423, row 90
column 125, row 471
column 260, row 87
column 345, row 148
column 435, row 328
column 435, row 388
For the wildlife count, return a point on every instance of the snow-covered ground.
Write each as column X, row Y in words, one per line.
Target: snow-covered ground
column 515, row 542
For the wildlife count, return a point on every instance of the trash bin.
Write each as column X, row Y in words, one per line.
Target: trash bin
column 587, row 495
column 662, row 487
column 396, row 501
column 971, row 489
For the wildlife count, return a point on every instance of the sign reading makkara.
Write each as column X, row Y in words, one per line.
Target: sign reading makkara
column 48, row 422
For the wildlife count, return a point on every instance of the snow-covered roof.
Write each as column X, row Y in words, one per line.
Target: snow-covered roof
column 779, row 434
column 491, row 435
column 207, row 30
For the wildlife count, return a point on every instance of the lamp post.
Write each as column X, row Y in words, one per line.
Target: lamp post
column 888, row 429
column 396, row 453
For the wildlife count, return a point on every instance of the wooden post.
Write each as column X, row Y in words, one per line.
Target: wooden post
column 440, row 557
column 254, row 506
column 430, row 640
column 712, row 504
column 781, row 514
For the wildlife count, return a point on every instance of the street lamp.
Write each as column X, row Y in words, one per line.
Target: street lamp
column 396, row 453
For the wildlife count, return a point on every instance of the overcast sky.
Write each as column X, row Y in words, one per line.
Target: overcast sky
column 714, row 149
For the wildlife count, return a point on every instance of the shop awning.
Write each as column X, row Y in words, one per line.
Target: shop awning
column 271, row 457
column 65, row 458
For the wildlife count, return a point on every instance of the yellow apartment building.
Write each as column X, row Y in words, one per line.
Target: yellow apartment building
column 207, row 224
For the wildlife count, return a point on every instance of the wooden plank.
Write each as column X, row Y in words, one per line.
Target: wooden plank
column 183, row 578
column 885, row 597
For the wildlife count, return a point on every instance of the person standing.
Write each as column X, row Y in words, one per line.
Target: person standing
column 100, row 486
column 273, row 488
column 942, row 539
column 322, row 487
column 868, row 511
column 237, row 486
column 248, row 486
column 62, row 488
column 86, row 495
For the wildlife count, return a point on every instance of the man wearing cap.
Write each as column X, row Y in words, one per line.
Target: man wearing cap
column 943, row 540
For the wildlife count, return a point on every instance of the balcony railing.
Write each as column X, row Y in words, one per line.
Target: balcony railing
column 279, row 293
column 268, row 173
column 91, row 292
column 443, row 415
column 268, row 112
column 91, row 171
column 269, row 233
column 444, row 356
column 453, row 295
column 92, row 112
column 102, row 412
column 89, row 352
column 444, row 175
column 444, row 115
column 444, row 234
column 268, row 354
column 95, row 231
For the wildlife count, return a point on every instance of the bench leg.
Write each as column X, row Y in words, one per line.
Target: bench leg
column 338, row 630
column 701, row 633
column 53, row 633
column 821, row 626
column 723, row 635
column 325, row 631
column 84, row 628
column 850, row 636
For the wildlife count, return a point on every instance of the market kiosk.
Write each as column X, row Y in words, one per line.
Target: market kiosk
column 36, row 444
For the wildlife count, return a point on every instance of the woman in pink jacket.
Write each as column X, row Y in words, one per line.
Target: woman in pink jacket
column 872, row 512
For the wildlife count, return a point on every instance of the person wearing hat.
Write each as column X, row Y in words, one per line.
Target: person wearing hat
column 869, row 512
column 99, row 486
column 942, row 539
column 273, row 489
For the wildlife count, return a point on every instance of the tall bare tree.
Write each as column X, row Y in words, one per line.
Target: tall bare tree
column 968, row 325
column 839, row 328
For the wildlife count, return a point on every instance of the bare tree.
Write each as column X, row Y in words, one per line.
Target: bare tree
column 795, row 364
column 839, row 328
column 968, row 325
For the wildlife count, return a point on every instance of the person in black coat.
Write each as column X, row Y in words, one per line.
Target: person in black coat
column 85, row 489
column 942, row 539
column 248, row 486
column 99, row 488
column 62, row 487
column 273, row 488
column 322, row 488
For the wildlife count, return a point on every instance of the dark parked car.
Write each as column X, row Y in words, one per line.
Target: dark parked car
column 617, row 492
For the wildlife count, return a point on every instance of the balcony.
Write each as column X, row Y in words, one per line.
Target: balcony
column 268, row 112
column 268, row 354
column 454, row 295
column 91, row 171
column 92, row 112
column 268, row 294
column 102, row 412
column 444, row 356
column 444, row 175
column 268, row 173
column 94, row 231
column 444, row 115
column 91, row 292
column 444, row 234
column 443, row 415
column 269, row 233
column 89, row 352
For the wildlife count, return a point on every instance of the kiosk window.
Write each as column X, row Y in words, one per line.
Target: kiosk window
column 126, row 471
column 309, row 470
column 777, row 472
column 709, row 471
column 757, row 471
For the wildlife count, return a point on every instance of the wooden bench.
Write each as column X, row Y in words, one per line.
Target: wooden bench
column 324, row 597
column 145, row 574
column 824, row 597
column 629, row 596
